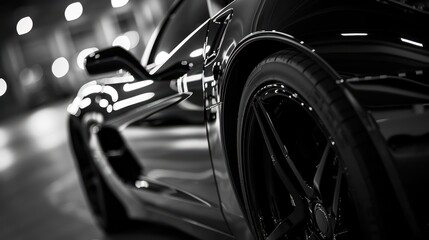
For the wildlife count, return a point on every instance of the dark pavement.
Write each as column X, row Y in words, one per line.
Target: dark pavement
column 40, row 196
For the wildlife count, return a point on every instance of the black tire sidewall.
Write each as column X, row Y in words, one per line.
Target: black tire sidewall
column 275, row 70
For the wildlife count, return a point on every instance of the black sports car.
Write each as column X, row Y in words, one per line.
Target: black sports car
column 264, row 119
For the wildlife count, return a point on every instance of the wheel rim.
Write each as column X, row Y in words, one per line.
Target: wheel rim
column 295, row 184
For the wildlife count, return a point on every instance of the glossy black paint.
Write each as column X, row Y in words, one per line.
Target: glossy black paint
column 378, row 52
column 114, row 59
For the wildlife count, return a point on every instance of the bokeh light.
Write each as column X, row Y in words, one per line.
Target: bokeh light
column 122, row 41
column 73, row 11
column 3, row 87
column 118, row 3
column 7, row 159
column 134, row 38
column 24, row 25
column 35, row 34
column 60, row 67
column 161, row 57
column 30, row 76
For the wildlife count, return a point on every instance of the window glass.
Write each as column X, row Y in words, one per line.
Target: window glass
column 188, row 16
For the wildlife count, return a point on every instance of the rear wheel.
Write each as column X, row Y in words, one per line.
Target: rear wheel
column 301, row 149
column 107, row 210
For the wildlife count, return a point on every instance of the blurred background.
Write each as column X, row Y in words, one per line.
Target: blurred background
column 43, row 44
column 42, row 47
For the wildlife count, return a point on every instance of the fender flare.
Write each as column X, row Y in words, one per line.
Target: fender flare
column 273, row 41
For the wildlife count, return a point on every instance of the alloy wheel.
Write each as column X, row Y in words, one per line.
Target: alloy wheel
column 299, row 190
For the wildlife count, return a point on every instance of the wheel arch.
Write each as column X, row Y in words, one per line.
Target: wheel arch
column 247, row 55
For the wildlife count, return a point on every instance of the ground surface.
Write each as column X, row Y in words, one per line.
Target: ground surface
column 40, row 196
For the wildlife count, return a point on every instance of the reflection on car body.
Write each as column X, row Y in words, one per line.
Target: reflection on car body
column 263, row 120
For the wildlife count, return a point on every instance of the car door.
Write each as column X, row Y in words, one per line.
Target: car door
column 171, row 146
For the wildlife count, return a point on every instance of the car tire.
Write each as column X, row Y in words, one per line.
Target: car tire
column 293, row 118
column 108, row 211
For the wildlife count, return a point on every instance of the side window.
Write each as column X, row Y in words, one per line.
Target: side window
column 216, row 5
column 186, row 18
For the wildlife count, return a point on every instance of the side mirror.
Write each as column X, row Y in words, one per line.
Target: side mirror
column 114, row 59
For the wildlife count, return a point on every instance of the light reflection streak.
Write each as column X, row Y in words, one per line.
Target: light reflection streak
column 73, row 107
column 142, row 133
column 192, row 78
column 155, row 69
column 110, row 91
column 93, row 88
column 82, row 55
column 189, row 106
column 228, row 51
column 162, row 173
column 133, row 100
column 84, row 103
column 87, row 90
column 199, row 52
column 182, row 83
column 141, row 184
column 188, row 144
column 412, row 42
column 128, row 87
column 99, row 89
column 354, row 34
column 208, row 79
column 121, row 79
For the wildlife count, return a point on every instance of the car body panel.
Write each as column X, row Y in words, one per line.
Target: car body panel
column 365, row 38
column 172, row 155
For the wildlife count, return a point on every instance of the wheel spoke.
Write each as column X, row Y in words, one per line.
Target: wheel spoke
column 320, row 168
column 336, row 198
column 296, row 218
column 277, row 149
